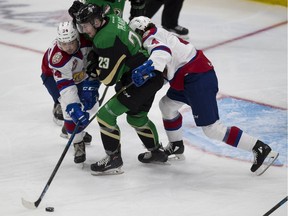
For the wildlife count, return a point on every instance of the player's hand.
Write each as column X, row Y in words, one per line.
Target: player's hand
column 77, row 114
column 141, row 74
column 92, row 64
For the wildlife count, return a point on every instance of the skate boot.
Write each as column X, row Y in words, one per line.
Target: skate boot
column 175, row 150
column 110, row 165
column 155, row 156
column 57, row 114
column 263, row 157
column 80, row 155
column 64, row 133
column 87, row 137
column 178, row 30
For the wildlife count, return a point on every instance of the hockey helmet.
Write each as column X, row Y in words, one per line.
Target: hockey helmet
column 67, row 32
column 88, row 12
column 139, row 24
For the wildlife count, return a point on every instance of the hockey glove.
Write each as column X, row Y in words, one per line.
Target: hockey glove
column 89, row 94
column 141, row 74
column 76, row 113
column 74, row 8
column 92, row 59
column 137, row 8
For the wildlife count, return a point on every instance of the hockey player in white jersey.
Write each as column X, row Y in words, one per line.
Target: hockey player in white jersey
column 66, row 59
column 193, row 82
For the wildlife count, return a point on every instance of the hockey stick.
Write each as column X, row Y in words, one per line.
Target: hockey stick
column 276, row 206
column 117, row 93
column 34, row 205
column 103, row 96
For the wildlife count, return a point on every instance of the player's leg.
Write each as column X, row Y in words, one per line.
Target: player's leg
column 152, row 6
column 148, row 134
column 170, row 16
column 202, row 98
column 110, row 136
column 172, row 121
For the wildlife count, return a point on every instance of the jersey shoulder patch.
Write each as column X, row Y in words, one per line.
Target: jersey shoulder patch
column 58, row 58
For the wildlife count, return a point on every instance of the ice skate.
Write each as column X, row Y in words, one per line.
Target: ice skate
column 80, row 155
column 57, row 114
column 156, row 156
column 264, row 157
column 175, row 150
column 110, row 165
column 64, row 133
column 179, row 31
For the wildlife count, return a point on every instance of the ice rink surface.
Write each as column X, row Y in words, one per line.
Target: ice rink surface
column 247, row 43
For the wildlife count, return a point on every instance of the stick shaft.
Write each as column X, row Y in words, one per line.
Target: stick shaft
column 276, row 206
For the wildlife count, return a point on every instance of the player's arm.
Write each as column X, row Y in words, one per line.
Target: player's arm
column 160, row 53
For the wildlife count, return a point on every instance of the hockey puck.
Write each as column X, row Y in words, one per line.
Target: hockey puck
column 49, row 209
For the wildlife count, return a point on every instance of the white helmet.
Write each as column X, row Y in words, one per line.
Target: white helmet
column 139, row 23
column 67, row 32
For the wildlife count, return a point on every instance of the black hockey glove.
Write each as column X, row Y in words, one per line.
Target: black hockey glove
column 92, row 64
column 137, row 8
column 74, row 8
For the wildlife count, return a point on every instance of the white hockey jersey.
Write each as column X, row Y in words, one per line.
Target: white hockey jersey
column 174, row 56
column 68, row 70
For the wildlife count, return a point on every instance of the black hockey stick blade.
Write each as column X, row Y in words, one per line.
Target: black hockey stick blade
column 34, row 205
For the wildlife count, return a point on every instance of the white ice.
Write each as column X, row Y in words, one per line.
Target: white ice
column 253, row 68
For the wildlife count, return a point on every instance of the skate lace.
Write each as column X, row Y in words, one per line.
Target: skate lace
column 58, row 109
column 255, row 153
column 79, row 150
column 169, row 148
column 104, row 161
column 147, row 155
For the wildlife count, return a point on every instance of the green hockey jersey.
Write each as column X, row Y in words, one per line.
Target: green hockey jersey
column 119, row 49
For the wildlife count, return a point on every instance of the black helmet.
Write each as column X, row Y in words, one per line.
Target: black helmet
column 88, row 12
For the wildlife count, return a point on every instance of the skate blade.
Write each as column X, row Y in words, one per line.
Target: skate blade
column 176, row 157
column 272, row 156
column 159, row 163
column 81, row 165
column 116, row 171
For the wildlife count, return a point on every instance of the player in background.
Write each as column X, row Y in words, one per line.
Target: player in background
column 193, row 82
column 170, row 14
column 66, row 60
column 113, row 7
column 118, row 51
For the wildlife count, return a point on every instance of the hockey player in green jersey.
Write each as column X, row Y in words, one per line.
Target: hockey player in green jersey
column 113, row 6
column 119, row 51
